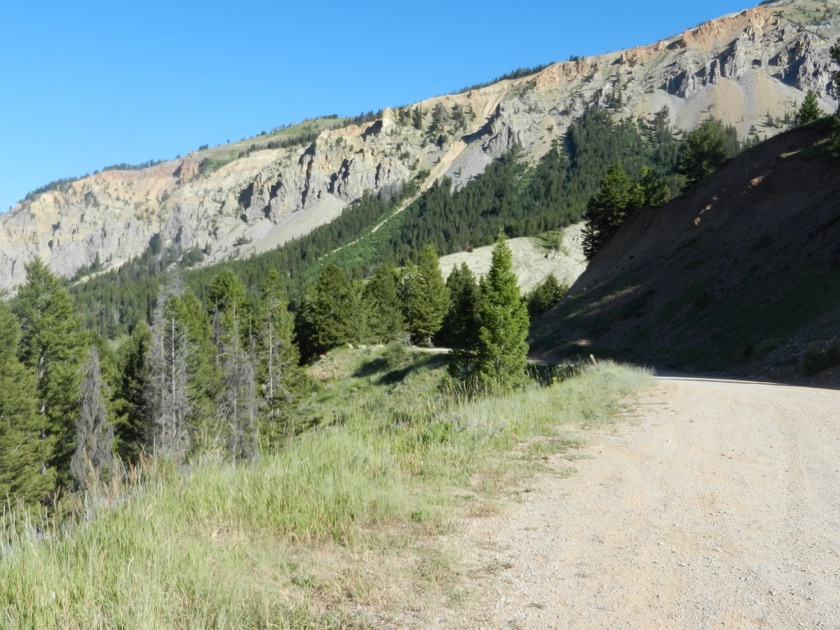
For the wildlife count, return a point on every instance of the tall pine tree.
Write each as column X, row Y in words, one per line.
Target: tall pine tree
column 619, row 195
column 383, row 313
column 53, row 346
column 132, row 421
column 232, row 332
column 23, row 449
column 425, row 296
column 329, row 314
column 502, row 352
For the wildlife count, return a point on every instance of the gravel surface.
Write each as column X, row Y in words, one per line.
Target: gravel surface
column 717, row 505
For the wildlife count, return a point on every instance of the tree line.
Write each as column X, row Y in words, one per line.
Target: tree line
column 222, row 373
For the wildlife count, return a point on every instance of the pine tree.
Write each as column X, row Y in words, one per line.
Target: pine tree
column 277, row 356
column 545, row 296
column 93, row 459
column 810, row 110
column 502, row 353
column 52, row 345
column 706, row 149
column 329, row 315
column 23, row 451
column 425, row 296
column 616, row 199
column 383, row 314
column 461, row 324
column 132, row 422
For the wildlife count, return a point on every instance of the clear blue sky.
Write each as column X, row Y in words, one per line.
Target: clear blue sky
column 91, row 83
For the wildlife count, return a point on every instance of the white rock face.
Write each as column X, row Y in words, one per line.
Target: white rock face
column 741, row 68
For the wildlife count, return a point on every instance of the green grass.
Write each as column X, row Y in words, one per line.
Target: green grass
column 341, row 514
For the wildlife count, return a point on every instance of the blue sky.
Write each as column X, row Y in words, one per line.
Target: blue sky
column 91, row 83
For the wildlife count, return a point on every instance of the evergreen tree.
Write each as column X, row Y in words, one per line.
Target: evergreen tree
column 23, row 451
column 460, row 326
column 383, row 313
column 502, row 353
column 93, row 458
column 52, row 345
column 706, row 149
column 425, row 296
column 545, row 296
column 810, row 110
column 329, row 314
column 616, row 200
column 278, row 374
column 132, row 422
column 655, row 189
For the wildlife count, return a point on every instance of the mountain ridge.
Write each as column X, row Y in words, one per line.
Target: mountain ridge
column 745, row 68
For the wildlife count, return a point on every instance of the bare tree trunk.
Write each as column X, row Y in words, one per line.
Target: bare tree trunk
column 93, row 458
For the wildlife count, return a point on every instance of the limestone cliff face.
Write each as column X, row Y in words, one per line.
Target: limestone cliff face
column 744, row 68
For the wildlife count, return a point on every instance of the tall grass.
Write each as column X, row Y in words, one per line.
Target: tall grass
column 223, row 545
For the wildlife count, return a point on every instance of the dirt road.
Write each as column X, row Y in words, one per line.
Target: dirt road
column 717, row 505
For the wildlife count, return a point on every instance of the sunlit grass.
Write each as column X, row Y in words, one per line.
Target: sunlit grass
column 340, row 513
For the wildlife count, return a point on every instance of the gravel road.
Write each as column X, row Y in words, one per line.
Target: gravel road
column 717, row 505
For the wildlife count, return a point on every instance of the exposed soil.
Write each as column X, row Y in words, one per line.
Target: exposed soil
column 715, row 506
column 740, row 272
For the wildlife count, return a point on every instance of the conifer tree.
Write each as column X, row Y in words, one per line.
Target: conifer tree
column 545, row 296
column 461, row 324
column 132, row 422
column 23, row 451
column 204, row 374
column 425, row 296
column 329, row 314
column 502, row 352
column 616, row 199
column 278, row 374
column 810, row 110
column 93, row 458
column 52, row 345
column 383, row 313
column 706, row 149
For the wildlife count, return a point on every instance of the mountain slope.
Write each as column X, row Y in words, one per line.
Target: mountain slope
column 750, row 69
column 744, row 268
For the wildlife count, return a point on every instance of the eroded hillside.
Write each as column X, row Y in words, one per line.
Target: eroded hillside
column 750, row 69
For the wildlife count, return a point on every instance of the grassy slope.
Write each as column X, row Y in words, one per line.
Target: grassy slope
column 340, row 520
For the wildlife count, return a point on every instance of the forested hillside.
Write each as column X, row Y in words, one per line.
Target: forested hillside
column 510, row 196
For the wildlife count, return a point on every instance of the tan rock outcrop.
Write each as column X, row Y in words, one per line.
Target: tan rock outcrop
column 250, row 196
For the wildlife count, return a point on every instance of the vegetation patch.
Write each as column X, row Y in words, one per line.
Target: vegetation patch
column 338, row 520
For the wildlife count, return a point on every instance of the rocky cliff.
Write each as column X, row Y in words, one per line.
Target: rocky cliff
column 750, row 69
